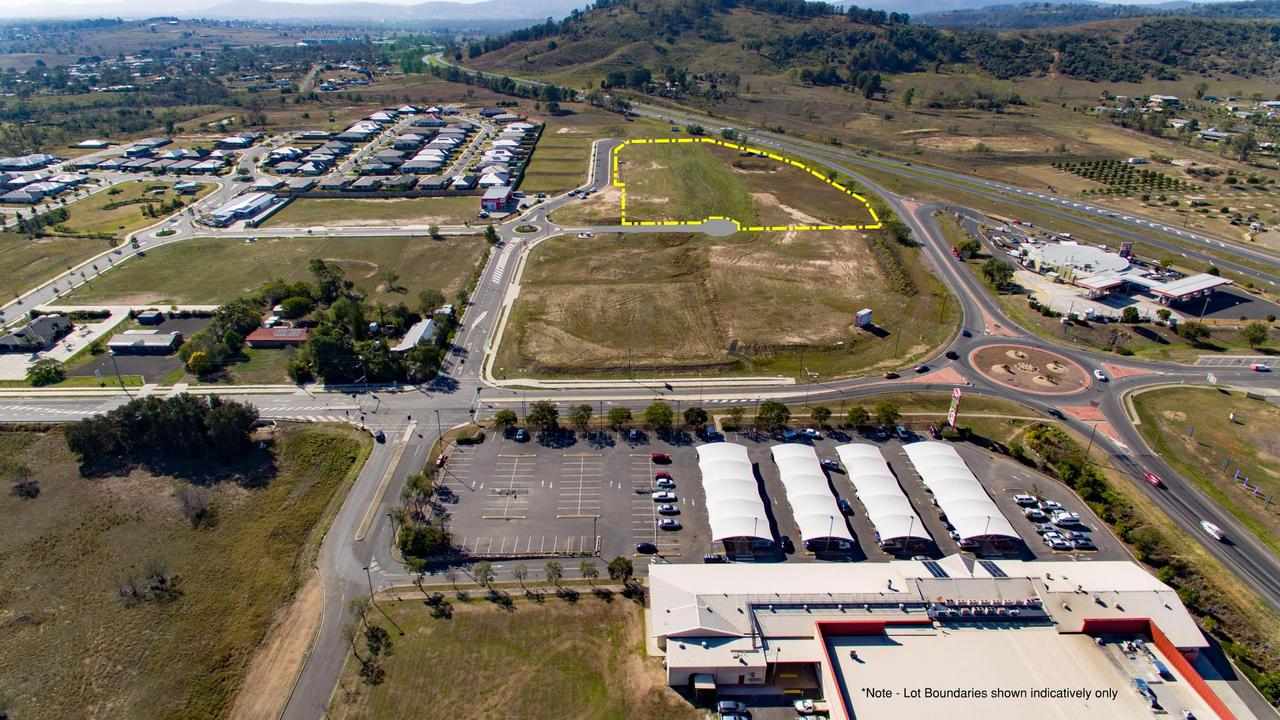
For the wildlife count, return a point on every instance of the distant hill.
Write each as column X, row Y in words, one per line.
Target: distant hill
column 644, row 43
column 1030, row 16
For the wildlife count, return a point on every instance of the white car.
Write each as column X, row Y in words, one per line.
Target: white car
column 586, row 235
column 669, row 524
column 1025, row 500
column 1213, row 530
column 1102, row 377
column 665, row 496
column 811, row 433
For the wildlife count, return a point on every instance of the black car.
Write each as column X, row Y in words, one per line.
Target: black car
column 380, row 436
column 711, row 558
column 953, row 355
column 788, row 547
column 845, row 507
column 646, row 548
column 965, row 332
column 522, row 435
column 1055, row 412
column 922, row 368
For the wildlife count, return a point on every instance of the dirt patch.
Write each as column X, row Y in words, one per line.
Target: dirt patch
column 272, row 672
column 1004, row 143
column 569, row 131
column 769, row 199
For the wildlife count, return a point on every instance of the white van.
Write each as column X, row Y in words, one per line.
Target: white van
column 1213, row 530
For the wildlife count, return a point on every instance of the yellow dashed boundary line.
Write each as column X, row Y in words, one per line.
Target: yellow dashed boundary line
column 622, row 188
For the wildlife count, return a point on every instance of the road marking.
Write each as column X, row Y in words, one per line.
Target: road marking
column 382, row 486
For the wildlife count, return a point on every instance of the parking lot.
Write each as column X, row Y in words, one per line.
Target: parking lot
column 573, row 496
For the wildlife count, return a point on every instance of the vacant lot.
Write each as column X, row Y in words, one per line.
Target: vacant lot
column 560, row 160
column 388, row 212
column 755, row 302
column 229, row 268
column 25, row 263
column 72, row 649
column 583, row 661
column 121, row 213
column 1189, row 427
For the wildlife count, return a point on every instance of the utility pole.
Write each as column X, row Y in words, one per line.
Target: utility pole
column 119, row 379
column 439, row 429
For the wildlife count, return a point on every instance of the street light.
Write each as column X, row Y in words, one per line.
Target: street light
column 112, row 354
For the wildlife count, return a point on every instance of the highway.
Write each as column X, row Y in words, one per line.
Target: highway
column 357, row 553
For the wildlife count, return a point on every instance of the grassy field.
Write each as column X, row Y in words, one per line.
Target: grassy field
column 71, row 649
column 559, row 162
column 580, row 661
column 389, row 212
column 1248, row 444
column 763, row 303
column 25, row 263
column 229, row 268
column 91, row 214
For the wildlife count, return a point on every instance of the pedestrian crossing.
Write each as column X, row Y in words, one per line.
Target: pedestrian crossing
column 41, row 410
column 500, row 267
column 306, row 418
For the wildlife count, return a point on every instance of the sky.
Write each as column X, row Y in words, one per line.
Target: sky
column 179, row 6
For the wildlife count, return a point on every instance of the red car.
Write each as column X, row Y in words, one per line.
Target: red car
column 1153, row 479
column 660, row 457
column 662, row 475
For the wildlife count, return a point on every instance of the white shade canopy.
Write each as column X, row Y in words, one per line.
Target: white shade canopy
column 734, row 507
column 968, row 506
column 887, row 506
column 812, row 502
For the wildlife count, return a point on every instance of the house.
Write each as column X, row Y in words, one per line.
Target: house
column 493, row 180
column 1137, row 161
column 288, row 168
column 21, row 197
column 408, row 141
column 314, row 135
column 433, row 182
column 335, row 183
column 421, row 333
column 145, row 342
column 464, row 182
column 149, row 317
column 268, row 183
column 1164, row 101
column 496, row 199
column 506, row 118
column 376, row 168
column 186, row 187
column 301, row 184
column 399, row 182
column 491, row 112
column 365, row 184
column 234, row 142
column 92, row 145
column 421, row 167
column 1215, row 135
column 277, row 337
column 245, row 206
column 39, row 334
column 34, row 161
column 1179, row 123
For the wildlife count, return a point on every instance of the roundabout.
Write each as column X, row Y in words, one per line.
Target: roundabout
column 1030, row 369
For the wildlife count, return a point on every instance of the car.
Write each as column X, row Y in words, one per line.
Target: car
column 1045, row 528
column 711, row 435
column 1025, row 500
column 646, row 548
column 542, row 196
column 880, row 434
column 964, row 332
column 891, row 375
column 788, row 547
column 633, row 435
column 731, row 706
column 829, row 464
column 1035, row 515
column 380, row 436
column 668, row 510
column 811, row 434
column 953, row 355
column 1260, row 367
column 663, row 496
column 665, row 483
column 669, row 524
column 1059, row 544
column 845, row 506
column 1050, row 506
column 1102, row 377
column 1153, row 478
column 1083, row 543
column 1213, row 530
column 1055, row 412
column 954, row 535
column 662, row 475
column 482, row 214
column 934, row 432
column 660, row 457
column 521, row 435
column 1066, row 519
column 586, row 235
column 902, row 433
column 805, row 706
column 714, row 558
column 790, row 434
column 922, row 368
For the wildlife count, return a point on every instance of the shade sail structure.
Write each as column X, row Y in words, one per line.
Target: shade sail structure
column 968, row 506
column 887, row 506
column 734, row 507
column 809, row 494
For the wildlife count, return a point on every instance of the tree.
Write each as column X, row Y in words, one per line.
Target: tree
column 969, row 247
column 45, row 371
column 857, row 417
column 886, row 412
column 1164, row 314
column 821, row 414
column 491, row 234
column 580, row 416
column 1243, row 145
column 589, row 571
column 434, row 232
column 429, row 301
column 772, row 415
column 695, row 416
column 377, row 640
column 521, row 573
column 1129, row 315
column 1255, row 333
column 1194, row 332
column 736, row 414
column 998, row 272
column 482, row 572
column 618, row 417
column 544, row 416
column 295, row 307
column 554, row 572
column 199, row 363
column 621, row 570
column 460, row 297
column 505, row 418
column 229, row 425
column 660, row 416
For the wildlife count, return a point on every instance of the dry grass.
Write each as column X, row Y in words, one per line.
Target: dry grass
column 71, row 649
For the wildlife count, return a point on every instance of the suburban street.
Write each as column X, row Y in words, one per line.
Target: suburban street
column 357, row 554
